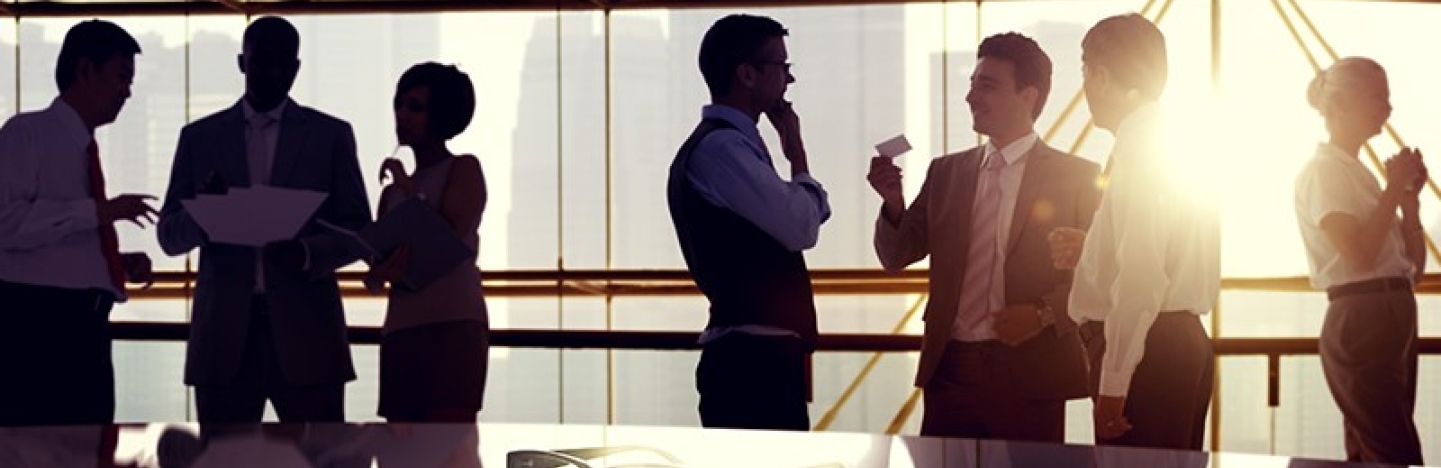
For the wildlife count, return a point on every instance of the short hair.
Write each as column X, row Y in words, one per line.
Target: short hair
column 1132, row 49
column 1349, row 75
column 730, row 42
column 1032, row 65
column 94, row 40
column 271, row 31
column 452, row 97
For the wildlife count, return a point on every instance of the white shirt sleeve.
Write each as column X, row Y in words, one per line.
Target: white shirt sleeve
column 1140, row 222
column 28, row 221
column 1340, row 198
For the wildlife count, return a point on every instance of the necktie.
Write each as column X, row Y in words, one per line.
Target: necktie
column 975, row 300
column 109, row 241
column 258, row 147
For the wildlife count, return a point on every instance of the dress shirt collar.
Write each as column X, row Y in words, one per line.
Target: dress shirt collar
column 69, row 124
column 1327, row 150
column 274, row 114
column 736, row 118
column 1141, row 117
column 1138, row 132
column 1014, row 151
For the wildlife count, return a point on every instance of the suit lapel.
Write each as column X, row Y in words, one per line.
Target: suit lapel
column 1038, row 165
column 287, row 150
column 966, row 177
column 234, row 157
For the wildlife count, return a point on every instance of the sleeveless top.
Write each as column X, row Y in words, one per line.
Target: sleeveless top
column 455, row 296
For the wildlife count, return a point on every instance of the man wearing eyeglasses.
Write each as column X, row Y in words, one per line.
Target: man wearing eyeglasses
column 742, row 230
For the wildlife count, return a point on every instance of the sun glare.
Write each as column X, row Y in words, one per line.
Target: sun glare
column 1243, row 159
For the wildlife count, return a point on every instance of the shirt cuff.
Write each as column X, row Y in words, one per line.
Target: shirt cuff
column 805, row 178
column 1115, row 384
column 822, row 198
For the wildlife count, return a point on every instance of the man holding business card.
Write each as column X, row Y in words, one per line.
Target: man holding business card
column 1000, row 357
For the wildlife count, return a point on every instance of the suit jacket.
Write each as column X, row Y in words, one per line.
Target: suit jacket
column 307, row 322
column 1057, row 190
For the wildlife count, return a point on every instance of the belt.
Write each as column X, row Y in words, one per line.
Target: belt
column 1090, row 328
column 973, row 345
column 1378, row 285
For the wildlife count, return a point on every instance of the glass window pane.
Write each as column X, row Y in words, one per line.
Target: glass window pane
column 353, row 77
column 9, row 71
column 1271, row 314
column 581, row 131
column 149, row 384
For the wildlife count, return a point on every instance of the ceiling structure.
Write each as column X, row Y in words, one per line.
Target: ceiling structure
column 30, row 8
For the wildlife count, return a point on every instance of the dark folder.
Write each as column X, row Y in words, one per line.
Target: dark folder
column 434, row 248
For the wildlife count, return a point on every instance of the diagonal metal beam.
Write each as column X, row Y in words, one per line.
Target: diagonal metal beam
column 1326, row 45
column 829, row 416
column 234, row 5
column 904, row 414
column 1371, row 154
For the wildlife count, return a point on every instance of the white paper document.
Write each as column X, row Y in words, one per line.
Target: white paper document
column 253, row 216
column 894, row 146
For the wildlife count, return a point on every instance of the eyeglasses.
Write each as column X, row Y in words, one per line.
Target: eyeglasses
column 785, row 66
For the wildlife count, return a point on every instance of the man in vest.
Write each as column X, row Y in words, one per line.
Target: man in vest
column 742, row 230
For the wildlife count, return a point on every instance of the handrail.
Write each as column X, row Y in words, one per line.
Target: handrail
column 622, row 283
column 340, row 7
column 686, row 341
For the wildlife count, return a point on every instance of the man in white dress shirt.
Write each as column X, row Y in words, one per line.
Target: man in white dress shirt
column 61, row 268
column 1150, row 265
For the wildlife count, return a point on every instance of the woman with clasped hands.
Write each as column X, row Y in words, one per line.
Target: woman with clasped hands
column 1367, row 261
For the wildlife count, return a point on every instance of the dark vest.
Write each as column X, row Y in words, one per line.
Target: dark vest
column 749, row 277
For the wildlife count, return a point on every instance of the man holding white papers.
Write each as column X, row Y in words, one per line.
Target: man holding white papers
column 268, row 322
column 742, row 230
column 1000, row 357
column 61, row 268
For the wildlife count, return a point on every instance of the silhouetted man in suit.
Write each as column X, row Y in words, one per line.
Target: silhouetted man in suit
column 268, row 323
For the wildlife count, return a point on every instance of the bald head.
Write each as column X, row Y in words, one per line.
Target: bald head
column 272, row 32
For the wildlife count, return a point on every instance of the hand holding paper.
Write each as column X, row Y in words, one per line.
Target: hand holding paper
column 894, row 146
column 253, row 216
